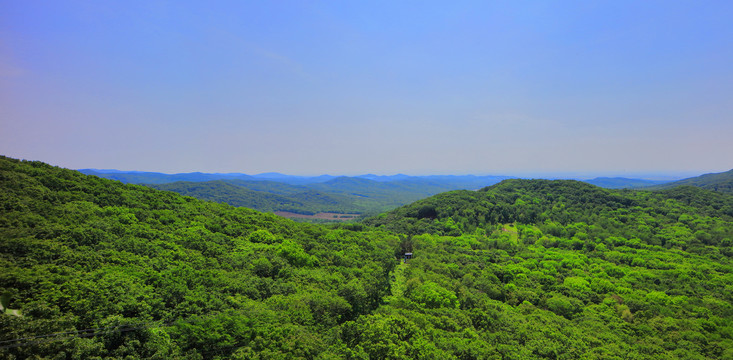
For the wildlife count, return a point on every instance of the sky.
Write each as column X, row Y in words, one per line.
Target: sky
column 384, row 87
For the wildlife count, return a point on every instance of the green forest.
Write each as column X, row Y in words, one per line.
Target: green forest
column 524, row 269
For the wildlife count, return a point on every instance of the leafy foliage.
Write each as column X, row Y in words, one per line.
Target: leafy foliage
column 520, row 270
column 187, row 278
column 648, row 216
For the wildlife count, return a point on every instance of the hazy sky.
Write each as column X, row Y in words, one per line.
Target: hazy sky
column 350, row 87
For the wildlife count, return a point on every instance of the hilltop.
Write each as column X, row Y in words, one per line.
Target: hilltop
column 543, row 201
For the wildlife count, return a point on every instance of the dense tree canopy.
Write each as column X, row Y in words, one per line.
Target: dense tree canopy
column 520, row 270
column 190, row 278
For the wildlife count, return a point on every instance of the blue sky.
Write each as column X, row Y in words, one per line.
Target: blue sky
column 346, row 87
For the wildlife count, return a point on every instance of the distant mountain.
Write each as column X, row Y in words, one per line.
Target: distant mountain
column 271, row 175
column 304, row 195
column 379, row 195
column 622, row 183
column 142, row 177
column 292, row 179
column 270, row 197
column 268, row 186
column 384, row 177
column 368, row 193
column 456, row 182
column 721, row 182
column 390, row 194
column 341, row 195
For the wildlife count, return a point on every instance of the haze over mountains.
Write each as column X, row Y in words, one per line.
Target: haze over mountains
column 365, row 195
column 622, row 183
column 143, row 177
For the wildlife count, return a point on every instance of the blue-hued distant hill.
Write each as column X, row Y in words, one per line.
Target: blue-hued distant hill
column 622, row 183
column 272, row 192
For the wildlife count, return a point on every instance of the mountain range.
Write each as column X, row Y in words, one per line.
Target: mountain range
column 142, row 177
column 623, row 183
column 366, row 195
column 274, row 192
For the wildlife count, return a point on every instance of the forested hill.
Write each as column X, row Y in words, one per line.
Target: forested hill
column 109, row 270
column 269, row 196
column 519, row 270
column 721, row 182
column 340, row 195
column 647, row 274
column 551, row 201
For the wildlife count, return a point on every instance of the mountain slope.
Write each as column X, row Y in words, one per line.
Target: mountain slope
column 273, row 187
column 284, row 198
column 157, row 275
column 622, row 183
column 721, row 182
column 341, row 195
column 630, row 266
column 543, row 201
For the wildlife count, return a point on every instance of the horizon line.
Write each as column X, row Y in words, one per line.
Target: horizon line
column 551, row 175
